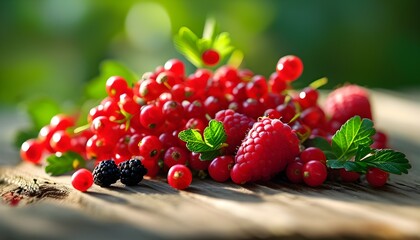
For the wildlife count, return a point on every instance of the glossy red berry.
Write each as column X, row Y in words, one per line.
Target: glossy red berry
column 174, row 156
column 257, row 87
column 150, row 147
column 151, row 117
column 308, row 97
column 175, row 66
column 294, row 172
column 210, row 57
column 62, row 122
column 376, row 177
column 179, row 177
column 60, row 141
column 31, row 151
column 289, row 67
column 314, row 173
column 82, row 180
column 195, row 163
column 115, row 86
column 219, row 169
column 313, row 153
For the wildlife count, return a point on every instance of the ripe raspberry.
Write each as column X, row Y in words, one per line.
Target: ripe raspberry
column 346, row 102
column 266, row 150
column 132, row 172
column 236, row 126
column 106, row 173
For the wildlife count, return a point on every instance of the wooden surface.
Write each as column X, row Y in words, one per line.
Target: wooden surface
column 51, row 209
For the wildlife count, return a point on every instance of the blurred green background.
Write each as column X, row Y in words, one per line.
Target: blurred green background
column 52, row 48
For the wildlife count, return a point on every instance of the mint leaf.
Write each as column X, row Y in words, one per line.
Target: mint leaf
column 389, row 161
column 209, row 146
column 354, row 132
column 66, row 162
column 214, row 133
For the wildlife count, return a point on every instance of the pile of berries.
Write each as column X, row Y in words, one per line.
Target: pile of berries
column 266, row 122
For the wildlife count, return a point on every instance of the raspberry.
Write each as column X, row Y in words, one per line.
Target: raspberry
column 106, row 173
column 346, row 102
column 266, row 150
column 236, row 125
column 132, row 172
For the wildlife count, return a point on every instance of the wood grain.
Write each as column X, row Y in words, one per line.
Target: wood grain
column 212, row 210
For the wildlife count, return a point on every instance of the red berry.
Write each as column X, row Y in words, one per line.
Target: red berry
column 276, row 84
column 150, row 147
column 236, row 126
column 314, row 173
column 346, row 102
column 314, row 117
column 179, row 177
column 173, row 156
column 308, row 97
column 266, row 150
column 289, row 67
column 175, row 66
column 313, row 153
column 31, row 151
column 60, row 141
column 376, row 177
column 195, row 163
column 348, row 176
column 219, row 168
column 294, row 172
column 151, row 117
column 210, row 57
column 115, row 86
column 61, row 122
column 82, row 180
column 257, row 87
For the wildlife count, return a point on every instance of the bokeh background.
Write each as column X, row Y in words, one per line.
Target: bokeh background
column 52, row 48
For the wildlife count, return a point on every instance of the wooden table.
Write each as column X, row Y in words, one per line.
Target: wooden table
column 52, row 209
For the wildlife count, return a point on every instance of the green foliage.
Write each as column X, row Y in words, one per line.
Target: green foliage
column 64, row 163
column 209, row 146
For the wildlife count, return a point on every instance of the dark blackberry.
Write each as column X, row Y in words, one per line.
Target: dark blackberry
column 106, row 173
column 132, row 172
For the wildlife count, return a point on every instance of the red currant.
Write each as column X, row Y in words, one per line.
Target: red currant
column 82, row 180
column 376, row 177
column 314, row 173
column 210, row 57
column 219, row 168
column 60, row 141
column 196, row 163
column 150, row 147
column 61, row 122
column 313, row 153
column 173, row 156
column 31, row 151
column 257, row 87
column 115, row 86
column 179, row 177
column 289, row 67
column 151, row 117
column 294, row 172
column 175, row 66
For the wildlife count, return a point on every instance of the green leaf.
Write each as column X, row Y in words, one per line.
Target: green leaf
column 388, row 160
column 214, row 133
column 41, row 111
column 353, row 133
column 335, row 163
column 209, row 147
column 95, row 89
column 64, row 163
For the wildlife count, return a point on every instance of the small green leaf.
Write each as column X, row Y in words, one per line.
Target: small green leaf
column 389, row 161
column 362, row 152
column 353, row 133
column 64, row 163
column 214, row 134
column 209, row 147
column 335, row 164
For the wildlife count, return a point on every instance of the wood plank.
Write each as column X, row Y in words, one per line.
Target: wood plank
column 223, row 210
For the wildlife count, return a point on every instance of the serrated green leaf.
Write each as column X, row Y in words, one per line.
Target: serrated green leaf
column 214, row 134
column 362, row 152
column 335, row 163
column 190, row 52
column 355, row 166
column 318, row 142
column 354, row 132
column 388, row 160
column 64, row 163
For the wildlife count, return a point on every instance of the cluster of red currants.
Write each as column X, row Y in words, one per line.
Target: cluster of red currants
column 144, row 120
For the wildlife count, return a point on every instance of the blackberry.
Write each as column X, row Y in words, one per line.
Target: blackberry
column 132, row 172
column 106, row 173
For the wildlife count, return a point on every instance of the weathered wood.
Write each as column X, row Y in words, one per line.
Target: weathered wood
column 214, row 210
